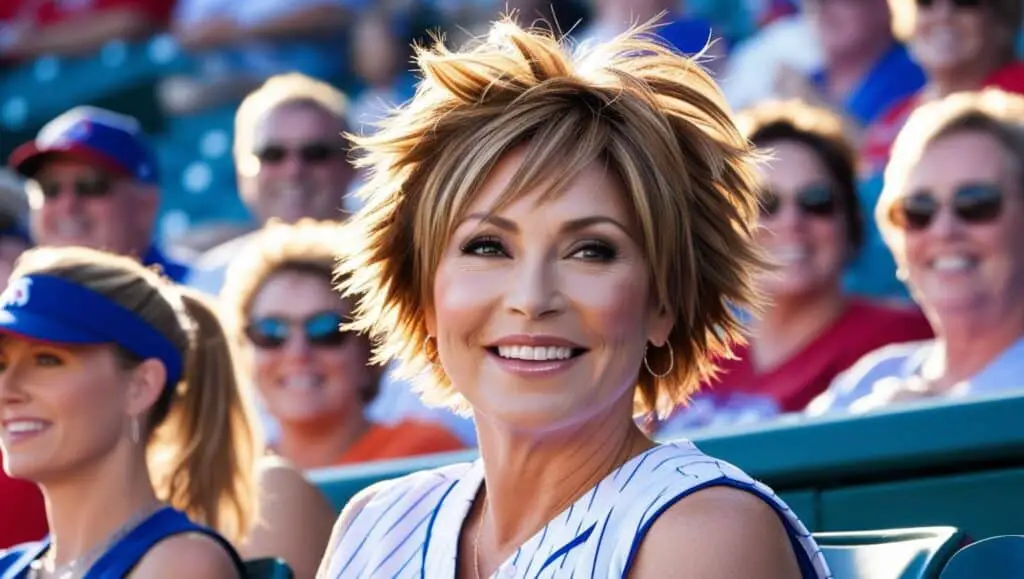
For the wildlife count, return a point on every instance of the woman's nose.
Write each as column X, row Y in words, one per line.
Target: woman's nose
column 533, row 290
column 11, row 385
column 296, row 347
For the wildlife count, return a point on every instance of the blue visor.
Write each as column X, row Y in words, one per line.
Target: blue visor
column 50, row 309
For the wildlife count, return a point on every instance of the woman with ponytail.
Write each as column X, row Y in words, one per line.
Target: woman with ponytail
column 118, row 396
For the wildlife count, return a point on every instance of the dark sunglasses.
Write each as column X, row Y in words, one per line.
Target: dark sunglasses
column 90, row 187
column 321, row 329
column 310, row 153
column 813, row 201
column 974, row 204
column 955, row 3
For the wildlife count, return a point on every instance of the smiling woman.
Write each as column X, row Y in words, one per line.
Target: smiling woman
column 558, row 238
column 118, row 398
column 951, row 213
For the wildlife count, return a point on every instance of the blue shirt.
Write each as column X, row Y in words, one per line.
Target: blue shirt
column 177, row 272
column 123, row 555
column 687, row 35
column 893, row 78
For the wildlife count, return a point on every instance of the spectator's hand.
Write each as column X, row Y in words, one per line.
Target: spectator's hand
column 213, row 33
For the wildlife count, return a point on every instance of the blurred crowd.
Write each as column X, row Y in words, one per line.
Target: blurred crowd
column 893, row 189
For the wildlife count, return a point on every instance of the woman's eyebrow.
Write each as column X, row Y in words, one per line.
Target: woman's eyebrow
column 569, row 226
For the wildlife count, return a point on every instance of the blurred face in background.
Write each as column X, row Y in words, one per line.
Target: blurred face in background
column 847, row 28
column 377, row 56
column 950, row 35
column 802, row 227
column 963, row 220
column 306, row 370
column 76, row 203
column 302, row 169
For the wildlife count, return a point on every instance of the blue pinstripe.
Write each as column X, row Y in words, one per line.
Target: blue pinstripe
column 411, row 528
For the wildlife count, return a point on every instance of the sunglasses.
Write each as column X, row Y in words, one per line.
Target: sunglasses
column 309, row 153
column 813, row 201
column 86, row 187
column 321, row 329
column 973, row 204
column 955, row 3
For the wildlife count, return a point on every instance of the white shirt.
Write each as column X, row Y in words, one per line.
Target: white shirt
column 411, row 527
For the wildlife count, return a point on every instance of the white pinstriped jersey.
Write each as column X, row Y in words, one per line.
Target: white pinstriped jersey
column 410, row 529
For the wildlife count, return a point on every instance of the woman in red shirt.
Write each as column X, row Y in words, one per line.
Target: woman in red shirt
column 963, row 45
column 811, row 226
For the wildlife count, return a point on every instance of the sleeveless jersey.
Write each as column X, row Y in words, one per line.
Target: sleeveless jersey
column 410, row 528
column 122, row 556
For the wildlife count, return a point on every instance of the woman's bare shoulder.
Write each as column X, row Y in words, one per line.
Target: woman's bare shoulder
column 718, row 532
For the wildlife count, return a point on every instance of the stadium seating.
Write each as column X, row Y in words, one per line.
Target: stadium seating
column 891, row 554
column 267, row 569
column 992, row 558
column 957, row 463
column 342, row 483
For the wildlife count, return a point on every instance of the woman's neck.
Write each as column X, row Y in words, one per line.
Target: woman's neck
column 531, row 479
column 87, row 509
column 789, row 324
column 323, row 443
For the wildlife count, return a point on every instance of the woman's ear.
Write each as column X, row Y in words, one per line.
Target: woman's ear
column 145, row 385
column 430, row 320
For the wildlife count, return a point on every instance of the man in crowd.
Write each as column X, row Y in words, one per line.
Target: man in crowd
column 290, row 157
column 93, row 182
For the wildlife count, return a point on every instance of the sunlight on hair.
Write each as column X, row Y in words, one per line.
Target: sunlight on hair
column 654, row 117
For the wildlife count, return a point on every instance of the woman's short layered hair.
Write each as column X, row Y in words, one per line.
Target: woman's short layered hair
column 655, row 118
column 991, row 111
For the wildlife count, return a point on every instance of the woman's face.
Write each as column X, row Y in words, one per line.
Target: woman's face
column 541, row 311
column 957, row 267
column 305, row 369
column 802, row 227
column 948, row 37
column 61, row 407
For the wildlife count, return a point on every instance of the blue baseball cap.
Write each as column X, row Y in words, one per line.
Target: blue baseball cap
column 51, row 309
column 111, row 140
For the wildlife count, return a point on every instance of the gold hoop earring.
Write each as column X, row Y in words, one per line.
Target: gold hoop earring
column 671, row 363
column 135, row 435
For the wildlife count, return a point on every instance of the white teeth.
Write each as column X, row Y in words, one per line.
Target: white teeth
column 303, row 381
column 790, row 254
column 952, row 263
column 536, row 353
column 71, row 227
column 23, row 426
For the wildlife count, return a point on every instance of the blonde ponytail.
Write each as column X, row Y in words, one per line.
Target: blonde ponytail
column 206, row 450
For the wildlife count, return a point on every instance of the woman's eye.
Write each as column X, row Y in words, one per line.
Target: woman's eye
column 48, row 360
column 484, row 247
column 595, row 252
